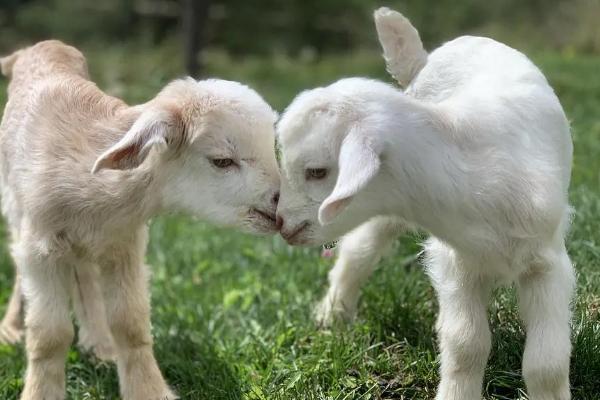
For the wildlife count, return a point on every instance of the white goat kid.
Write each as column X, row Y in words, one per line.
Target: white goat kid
column 478, row 153
column 81, row 174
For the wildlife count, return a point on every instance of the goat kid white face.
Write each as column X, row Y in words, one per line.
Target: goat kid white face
column 217, row 164
column 328, row 159
column 228, row 176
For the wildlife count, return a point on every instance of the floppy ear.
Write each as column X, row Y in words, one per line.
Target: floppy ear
column 154, row 127
column 358, row 163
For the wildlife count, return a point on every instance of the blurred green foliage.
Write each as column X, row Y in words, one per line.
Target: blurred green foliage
column 309, row 26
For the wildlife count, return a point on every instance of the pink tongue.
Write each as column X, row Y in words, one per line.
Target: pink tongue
column 327, row 253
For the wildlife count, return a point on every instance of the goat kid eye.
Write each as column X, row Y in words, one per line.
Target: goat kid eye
column 315, row 173
column 222, row 162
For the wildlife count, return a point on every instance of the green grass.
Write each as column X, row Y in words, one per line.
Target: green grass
column 232, row 313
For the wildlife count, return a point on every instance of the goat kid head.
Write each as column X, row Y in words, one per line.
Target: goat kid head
column 331, row 160
column 211, row 144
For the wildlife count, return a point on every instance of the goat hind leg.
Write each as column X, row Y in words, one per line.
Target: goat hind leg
column 545, row 293
column 88, row 302
column 11, row 327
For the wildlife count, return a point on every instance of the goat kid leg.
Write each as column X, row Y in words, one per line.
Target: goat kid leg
column 463, row 330
column 11, row 327
column 545, row 294
column 359, row 253
column 88, row 302
column 124, row 278
column 49, row 334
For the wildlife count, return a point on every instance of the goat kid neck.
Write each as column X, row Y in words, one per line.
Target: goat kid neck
column 423, row 174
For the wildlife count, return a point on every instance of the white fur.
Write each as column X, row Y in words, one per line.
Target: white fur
column 82, row 173
column 477, row 152
column 402, row 47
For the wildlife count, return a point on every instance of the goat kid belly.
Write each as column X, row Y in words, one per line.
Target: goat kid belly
column 502, row 261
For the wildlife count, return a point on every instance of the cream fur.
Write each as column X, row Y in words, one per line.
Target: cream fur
column 81, row 174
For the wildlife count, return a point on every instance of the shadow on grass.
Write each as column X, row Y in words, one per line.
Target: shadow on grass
column 196, row 371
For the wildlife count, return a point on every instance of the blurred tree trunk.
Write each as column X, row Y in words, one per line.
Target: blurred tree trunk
column 127, row 10
column 194, row 17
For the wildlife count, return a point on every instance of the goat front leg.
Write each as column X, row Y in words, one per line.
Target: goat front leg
column 11, row 327
column 545, row 293
column 88, row 302
column 359, row 253
column 49, row 330
column 463, row 330
column 124, row 278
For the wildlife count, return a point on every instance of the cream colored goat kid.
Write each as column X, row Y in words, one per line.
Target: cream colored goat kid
column 81, row 174
column 478, row 153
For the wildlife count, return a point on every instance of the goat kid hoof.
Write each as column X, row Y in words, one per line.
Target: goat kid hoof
column 329, row 313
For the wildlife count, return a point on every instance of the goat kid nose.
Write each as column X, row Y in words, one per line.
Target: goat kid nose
column 275, row 198
column 279, row 222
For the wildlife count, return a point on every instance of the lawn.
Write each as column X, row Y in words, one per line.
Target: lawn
column 232, row 314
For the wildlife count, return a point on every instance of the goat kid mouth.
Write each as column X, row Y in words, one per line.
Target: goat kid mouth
column 265, row 216
column 293, row 237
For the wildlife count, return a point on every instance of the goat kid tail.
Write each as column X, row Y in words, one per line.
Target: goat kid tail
column 403, row 49
column 7, row 63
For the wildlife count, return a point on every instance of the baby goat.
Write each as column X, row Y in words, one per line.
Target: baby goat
column 477, row 152
column 82, row 173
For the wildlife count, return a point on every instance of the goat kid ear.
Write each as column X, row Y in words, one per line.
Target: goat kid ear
column 154, row 127
column 358, row 164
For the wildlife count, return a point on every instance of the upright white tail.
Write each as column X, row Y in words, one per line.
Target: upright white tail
column 402, row 47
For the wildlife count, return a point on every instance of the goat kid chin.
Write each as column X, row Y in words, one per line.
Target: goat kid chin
column 81, row 174
column 477, row 151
